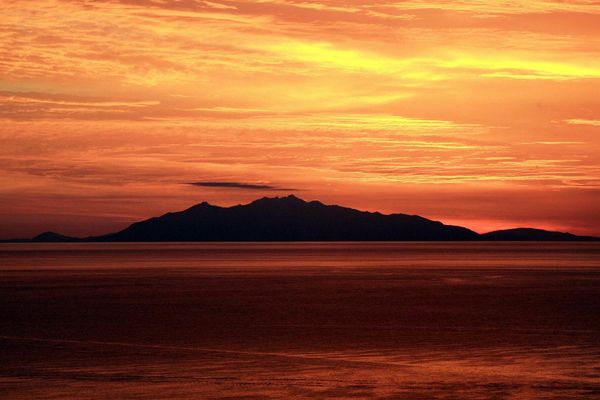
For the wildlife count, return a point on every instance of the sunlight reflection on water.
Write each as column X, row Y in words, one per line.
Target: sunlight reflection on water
column 344, row 320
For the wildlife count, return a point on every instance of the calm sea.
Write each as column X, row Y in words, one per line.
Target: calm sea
column 300, row 320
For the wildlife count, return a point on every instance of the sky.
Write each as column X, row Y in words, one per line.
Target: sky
column 480, row 113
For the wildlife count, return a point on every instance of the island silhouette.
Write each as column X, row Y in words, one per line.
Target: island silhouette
column 293, row 219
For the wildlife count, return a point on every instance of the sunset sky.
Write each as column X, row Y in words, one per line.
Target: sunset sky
column 475, row 112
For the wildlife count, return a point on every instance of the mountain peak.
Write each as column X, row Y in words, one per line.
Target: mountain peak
column 290, row 199
column 52, row 237
column 201, row 205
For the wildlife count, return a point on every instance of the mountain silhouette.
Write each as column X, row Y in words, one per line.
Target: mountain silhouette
column 48, row 237
column 519, row 234
column 293, row 219
column 285, row 219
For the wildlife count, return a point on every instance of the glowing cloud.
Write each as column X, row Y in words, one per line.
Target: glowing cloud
column 370, row 104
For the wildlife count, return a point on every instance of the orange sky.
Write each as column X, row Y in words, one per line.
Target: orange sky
column 474, row 112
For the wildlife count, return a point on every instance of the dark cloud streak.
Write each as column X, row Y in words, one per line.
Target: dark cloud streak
column 237, row 185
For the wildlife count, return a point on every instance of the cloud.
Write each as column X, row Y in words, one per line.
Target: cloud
column 239, row 185
column 591, row 122
column 497, row 7
column 326, row 96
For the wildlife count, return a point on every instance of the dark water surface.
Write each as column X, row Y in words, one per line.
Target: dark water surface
column 301, row 320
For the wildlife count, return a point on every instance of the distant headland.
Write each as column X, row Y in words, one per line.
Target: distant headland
column 293, row 219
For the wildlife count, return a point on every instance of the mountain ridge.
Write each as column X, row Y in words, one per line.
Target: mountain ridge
column 290, row 218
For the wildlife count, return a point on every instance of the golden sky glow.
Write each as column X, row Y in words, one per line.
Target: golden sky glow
column 476, row 112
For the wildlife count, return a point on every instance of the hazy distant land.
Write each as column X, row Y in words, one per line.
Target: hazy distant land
column 293, row 219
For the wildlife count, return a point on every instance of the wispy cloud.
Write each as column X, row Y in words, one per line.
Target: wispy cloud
column 591, row 122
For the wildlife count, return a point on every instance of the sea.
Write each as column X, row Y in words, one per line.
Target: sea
column 337, row 320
